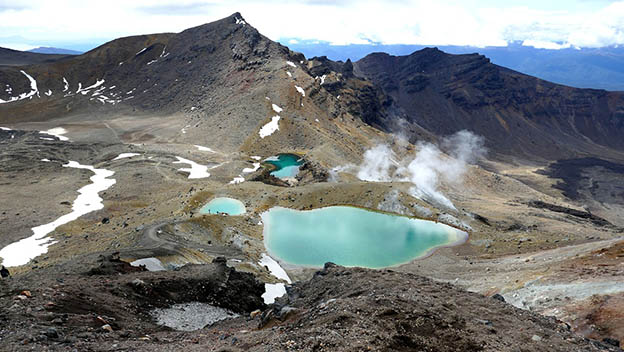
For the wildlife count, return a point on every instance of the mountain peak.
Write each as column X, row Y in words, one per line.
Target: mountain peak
column 237, row 18
column 236, row 15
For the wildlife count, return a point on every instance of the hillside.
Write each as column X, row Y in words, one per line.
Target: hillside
column 223, row 76
column 52, row 50
column 518, row 114
column 10, row 57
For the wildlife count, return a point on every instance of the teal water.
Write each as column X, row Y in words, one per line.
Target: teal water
column 229, row 206
column 351, row 236
column 287, row 165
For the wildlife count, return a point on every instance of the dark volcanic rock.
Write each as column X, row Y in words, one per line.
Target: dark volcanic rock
column 339, row 309
column 517, row 114
column 111, row 264
column 80, row 303
column 565, row 210
column 357, row 309
column 606, row 186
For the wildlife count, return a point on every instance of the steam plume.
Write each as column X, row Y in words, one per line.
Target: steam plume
column 427, row 168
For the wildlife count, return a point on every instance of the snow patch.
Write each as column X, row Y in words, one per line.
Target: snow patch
column 204, row 149
column 270, row 127
column 240, row 21
column 275, row 269
column 57, row 132
column 255, row 157
column 22, row 251
column 290, row 63
column 5, row 129
column 125, row 155
column 190, row 316
column 33, row 90
column 33, row 87
column 48, row 93
column 96, row 84
column 277, row 109
column 151, row 264
column 273, row 291
column 300, row 90
column 289, row 74
column 255, row 167
column 238, row 179
column 196, row 170
column 142, row 50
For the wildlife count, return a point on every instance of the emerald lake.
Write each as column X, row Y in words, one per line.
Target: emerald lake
column 351, row 236
column 287, row 165
column 224, row 205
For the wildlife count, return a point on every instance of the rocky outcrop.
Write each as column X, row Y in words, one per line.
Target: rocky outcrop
column 596, row 220
column 347, row 309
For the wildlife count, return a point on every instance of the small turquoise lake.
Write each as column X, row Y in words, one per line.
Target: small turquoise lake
column 352, row 236
column 287, row 165
column 225, row 205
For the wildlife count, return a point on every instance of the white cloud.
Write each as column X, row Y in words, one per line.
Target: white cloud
column 444, row 22
column 604, row 27
column 17, row 46
column 544, row 44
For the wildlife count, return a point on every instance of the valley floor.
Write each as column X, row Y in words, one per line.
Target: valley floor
column 555, row 262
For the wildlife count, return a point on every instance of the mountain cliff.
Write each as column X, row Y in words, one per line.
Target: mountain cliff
column 518, row 114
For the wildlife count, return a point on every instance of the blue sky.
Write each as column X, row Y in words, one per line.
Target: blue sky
column 546, row 23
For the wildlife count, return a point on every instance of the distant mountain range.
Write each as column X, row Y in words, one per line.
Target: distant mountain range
column 426, row 93
column 599, row 68
column 50, row 50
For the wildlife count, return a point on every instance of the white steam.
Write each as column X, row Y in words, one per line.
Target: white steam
column 428, row 168
column 377, row 164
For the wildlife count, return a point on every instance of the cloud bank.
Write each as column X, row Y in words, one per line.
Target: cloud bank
column 554, row 24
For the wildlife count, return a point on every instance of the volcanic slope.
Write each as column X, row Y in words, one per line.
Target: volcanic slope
column 215, row 85
column 10, row 57
column 519, row 115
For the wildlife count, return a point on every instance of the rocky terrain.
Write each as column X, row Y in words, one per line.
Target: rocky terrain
column 107, row 308
column 176, row 119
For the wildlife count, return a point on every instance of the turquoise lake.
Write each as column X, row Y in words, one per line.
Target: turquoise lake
column 225, row 205
column 287, row 165
column 352, row 236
